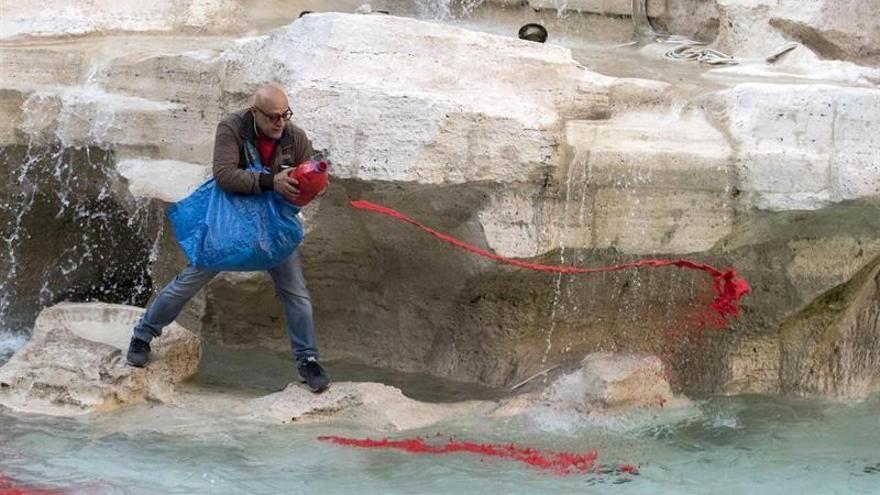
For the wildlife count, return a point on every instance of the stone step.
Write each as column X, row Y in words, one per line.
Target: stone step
column 802, row 146
column 658, row 149
column 646, row 182
column 43, row 19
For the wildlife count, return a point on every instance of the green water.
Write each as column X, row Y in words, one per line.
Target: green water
column 739, row 445
column 257, row 371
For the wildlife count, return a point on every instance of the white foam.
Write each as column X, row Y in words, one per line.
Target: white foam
column 552, row 420
column 11, row 342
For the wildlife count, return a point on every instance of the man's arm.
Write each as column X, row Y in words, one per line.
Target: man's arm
column 226, row 159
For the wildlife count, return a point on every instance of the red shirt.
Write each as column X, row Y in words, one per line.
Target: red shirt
column 266, row 146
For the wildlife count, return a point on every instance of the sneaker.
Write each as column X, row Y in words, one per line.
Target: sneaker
column 138, row 352
column 313, row 374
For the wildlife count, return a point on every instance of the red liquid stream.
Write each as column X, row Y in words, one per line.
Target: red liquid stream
column 728, row 290
column 727, row 287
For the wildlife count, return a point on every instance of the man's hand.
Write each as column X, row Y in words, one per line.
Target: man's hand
column 286, row 185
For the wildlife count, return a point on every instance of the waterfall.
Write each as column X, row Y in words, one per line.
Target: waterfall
column 70, row 230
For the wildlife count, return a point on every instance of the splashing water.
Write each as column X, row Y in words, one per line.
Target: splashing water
column 577, row 191
column 446, row 9
column 9, row 343
column 99, row 244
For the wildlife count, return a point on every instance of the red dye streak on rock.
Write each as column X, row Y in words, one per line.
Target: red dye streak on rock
column 557, row 462
column 728, row 288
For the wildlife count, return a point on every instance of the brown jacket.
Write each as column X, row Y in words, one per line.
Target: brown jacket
column 229, row 159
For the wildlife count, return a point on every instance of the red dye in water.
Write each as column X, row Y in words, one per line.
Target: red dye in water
column 628, row 468
column 557, row 462
column 9, row 487
column 727, row 287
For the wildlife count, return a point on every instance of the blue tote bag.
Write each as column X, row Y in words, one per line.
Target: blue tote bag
column 219, row 230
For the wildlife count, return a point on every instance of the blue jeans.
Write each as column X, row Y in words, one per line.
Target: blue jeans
column 290, row 286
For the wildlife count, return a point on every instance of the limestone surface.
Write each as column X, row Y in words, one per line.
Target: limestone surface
column 74, row 362
column 372, row 405
column 830, row 348
column 829, row 29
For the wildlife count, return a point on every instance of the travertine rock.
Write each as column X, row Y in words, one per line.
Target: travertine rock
column 830, row 29
column 373, row 405
column 74, row 362
column 604, row 383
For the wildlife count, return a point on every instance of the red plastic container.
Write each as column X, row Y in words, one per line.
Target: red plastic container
column 312, row 176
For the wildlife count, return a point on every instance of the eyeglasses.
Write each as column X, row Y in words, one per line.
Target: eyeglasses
column 276, row 117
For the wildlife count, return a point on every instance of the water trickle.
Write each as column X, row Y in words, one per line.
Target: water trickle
column 444, row 10
column 70, row 229
column 577, row 180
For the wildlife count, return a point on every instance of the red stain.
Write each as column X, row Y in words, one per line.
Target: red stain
column 727, row 291
column 10, row 487
column 727, row 287
column 556, row 462
column 628, row 469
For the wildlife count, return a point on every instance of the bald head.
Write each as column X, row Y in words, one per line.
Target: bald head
column 270, row 104
column 270, row 95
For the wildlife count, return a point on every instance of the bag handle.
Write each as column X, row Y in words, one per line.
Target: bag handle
column 255, row 164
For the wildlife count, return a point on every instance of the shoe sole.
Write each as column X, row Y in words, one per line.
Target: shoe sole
column 319, row 390
column 136, row 365
column 314, row 390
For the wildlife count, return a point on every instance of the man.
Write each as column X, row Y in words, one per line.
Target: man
column 281, row 145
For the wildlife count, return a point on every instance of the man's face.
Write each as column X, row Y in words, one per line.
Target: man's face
column 271, row 116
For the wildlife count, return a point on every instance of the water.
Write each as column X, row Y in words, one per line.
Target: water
column 257, row 371
column 446, row 9
column 9, row 343
column 65, row 235
column 720, row 445
column 67, row 231
column 755, row 445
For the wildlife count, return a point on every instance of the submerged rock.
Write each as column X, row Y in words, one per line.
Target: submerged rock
column 74, row 362
column 374, row 405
